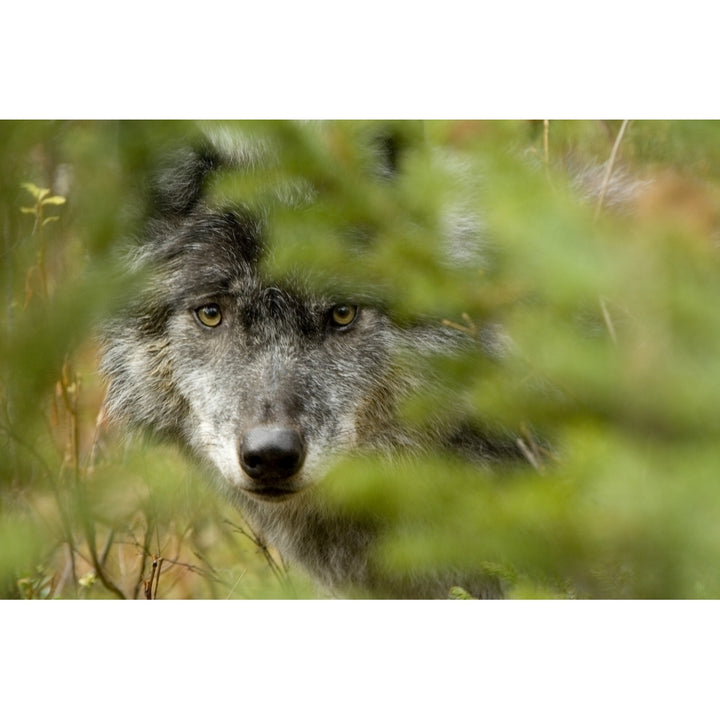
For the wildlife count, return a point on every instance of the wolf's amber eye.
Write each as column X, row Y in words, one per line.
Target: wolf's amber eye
column 343, row 315
column 209, row 315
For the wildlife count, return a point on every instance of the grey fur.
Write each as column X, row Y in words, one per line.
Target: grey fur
column 277, row 365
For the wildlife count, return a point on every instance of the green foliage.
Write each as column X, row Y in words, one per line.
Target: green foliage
column 609, row 378
column 611, row 361
column 81, row 514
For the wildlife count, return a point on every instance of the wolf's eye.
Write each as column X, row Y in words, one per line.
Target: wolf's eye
column 209, row 315
column 342, row 316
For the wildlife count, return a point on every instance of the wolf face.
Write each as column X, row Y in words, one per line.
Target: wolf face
column 267, row 381
column 276, row 382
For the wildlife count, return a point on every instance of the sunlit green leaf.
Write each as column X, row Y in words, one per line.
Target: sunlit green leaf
column 54, row 200
column 37, row 192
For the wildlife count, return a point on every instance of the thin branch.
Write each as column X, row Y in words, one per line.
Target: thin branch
column 608, row 321
column 207, row 574
column 278, row 570
column 236, row 583
column 157, row 576
column 97, row 565
column 609, row 169
column 147, row 584
column 145, row 547
column 97, row 435
column 529, row 455
column 151, row 586
column 106, row 548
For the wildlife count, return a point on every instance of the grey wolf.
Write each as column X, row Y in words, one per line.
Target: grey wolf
column 269, row 381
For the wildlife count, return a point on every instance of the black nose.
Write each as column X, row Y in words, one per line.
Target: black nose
column 271, row 453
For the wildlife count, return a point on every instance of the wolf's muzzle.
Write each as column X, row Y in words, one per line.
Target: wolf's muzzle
column 272, row 456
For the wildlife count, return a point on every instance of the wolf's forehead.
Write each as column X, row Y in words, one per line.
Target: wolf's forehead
column 199, row 272
column 216, row 254
column 202, row 275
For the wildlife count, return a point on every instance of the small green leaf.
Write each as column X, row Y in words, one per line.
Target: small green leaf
column 87, row 580
column 35, row 191
column 54, row 200
column 28, row 211
column 31, row 188
column 50, row 219
column 458, row 593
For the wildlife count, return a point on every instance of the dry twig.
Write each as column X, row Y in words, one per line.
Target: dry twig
column 609, row 169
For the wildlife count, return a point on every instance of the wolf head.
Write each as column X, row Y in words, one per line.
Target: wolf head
column 266, row 380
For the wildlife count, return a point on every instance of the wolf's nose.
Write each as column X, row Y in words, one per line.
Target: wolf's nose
column 271, row 453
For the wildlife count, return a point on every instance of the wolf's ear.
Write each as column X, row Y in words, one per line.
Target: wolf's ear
column 388, row 146
column 179, row 184
column 392, row 143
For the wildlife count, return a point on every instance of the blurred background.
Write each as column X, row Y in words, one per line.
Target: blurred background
column 588, row 251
